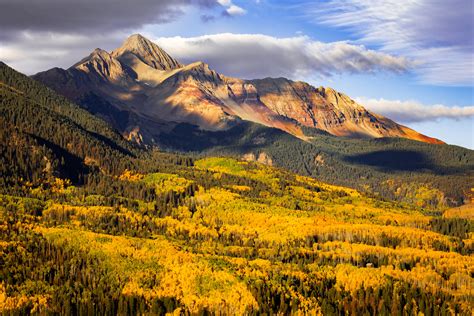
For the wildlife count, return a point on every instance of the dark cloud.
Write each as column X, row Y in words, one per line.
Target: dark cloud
column 78, row 16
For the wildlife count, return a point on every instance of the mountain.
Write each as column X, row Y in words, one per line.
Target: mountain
column 152, row 99
column 147, row 92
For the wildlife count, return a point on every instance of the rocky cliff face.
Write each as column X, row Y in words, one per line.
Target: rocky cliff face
column 144, row 81
column 328, row 110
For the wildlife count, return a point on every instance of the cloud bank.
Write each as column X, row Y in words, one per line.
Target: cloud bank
column 436, row 33
column 257, row 56
column 413, row 111
column 41, row 34
column 79, row 16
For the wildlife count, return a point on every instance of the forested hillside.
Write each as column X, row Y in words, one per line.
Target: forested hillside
column 44, row 135
column 90, row 224
column 229, row 237
column 429, row 175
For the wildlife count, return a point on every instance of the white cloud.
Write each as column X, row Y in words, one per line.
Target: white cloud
column 234, row 10
column 231, row 8
column 413, row 111
column 438, row 34
column 300, row 57
column 225, row 3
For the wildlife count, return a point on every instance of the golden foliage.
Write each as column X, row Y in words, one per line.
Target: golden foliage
column 220, row 249
column 128, row 175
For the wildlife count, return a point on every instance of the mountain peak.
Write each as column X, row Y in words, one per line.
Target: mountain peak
column 102, row 64
column 137, row 36
column 136, row 41
column 139, row 47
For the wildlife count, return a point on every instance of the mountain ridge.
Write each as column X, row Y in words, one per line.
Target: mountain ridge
column 141, row 78
column 80, row 135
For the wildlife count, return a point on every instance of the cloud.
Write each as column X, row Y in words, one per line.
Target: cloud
column 438, row 34
column 32, row 52
column 300, row 57
column 40, row 34
column 413, row 111
column 234, row 10
column 225, row 3
column 74, row 16
column 231, row 9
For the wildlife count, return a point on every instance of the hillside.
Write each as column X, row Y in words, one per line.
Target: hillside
column 231, row 237
column 45, row 135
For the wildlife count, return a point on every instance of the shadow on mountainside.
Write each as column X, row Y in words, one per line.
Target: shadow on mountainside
column 244, row 136
column 398, row 160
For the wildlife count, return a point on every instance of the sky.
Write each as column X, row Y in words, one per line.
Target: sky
column 410, row 60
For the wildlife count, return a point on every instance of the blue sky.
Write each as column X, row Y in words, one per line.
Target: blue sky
column 410, row 60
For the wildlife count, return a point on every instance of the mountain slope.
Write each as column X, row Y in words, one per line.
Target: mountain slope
column 394, row 168
column 140, row 78
column 328, row 110
column 55, row 137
